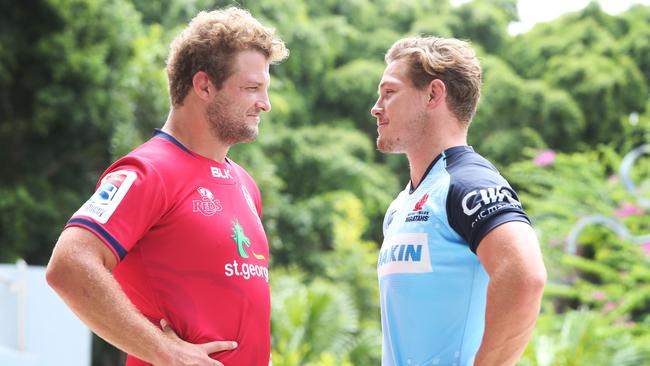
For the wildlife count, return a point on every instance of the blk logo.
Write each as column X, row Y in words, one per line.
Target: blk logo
column 220, row 173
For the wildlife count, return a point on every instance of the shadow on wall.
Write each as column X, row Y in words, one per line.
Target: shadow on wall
column 36, row 327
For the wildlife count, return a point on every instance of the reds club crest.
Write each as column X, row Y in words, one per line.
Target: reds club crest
column 207, row 205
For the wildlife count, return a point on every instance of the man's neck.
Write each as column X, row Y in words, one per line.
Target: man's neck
column 193, row 132
column 421, row 157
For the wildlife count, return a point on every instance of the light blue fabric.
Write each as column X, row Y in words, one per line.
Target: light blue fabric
column 432, row 286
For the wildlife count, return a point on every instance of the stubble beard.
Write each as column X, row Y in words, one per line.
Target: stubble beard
column 414, row 129
column 226, row 126
column 387, row 145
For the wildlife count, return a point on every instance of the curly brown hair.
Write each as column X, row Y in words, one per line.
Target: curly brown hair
column 451, row 60
column 210, row 42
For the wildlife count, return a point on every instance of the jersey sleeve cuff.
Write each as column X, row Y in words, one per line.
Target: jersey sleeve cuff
column 102, row 234
column 490, row 225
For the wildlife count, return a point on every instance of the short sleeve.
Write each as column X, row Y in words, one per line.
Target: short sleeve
column 128, row 201
column 478, row 202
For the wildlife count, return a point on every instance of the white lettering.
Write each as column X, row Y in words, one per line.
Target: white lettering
column 467, row 210
column 488, row 195
column 220, row 173
column 246, row 270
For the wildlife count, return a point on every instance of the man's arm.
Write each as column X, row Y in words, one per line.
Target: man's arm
column 80, row 272
column 511, row 256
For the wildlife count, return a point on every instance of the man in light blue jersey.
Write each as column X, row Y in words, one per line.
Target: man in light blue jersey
column 460, row 271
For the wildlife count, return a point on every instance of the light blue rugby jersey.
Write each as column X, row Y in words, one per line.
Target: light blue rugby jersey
column 432, row 285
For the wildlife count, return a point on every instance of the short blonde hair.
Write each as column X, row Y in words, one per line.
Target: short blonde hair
column 211, row 41
column 451, row 60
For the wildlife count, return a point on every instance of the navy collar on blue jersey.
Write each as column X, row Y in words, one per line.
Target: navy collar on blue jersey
column 164, row 135
column 444, row 153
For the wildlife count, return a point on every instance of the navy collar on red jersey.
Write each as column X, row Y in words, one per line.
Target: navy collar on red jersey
column 164, row 135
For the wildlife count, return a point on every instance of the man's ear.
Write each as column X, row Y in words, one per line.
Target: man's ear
column 202, row 85
column 437, row 92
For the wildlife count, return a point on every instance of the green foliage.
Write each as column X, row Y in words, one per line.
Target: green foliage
column 61, row 95
column 483, row 23
column 515, row 114
column 352, row 90
column 82, row 82
column 584, row 338
column 607, row 275
column 308, row 320
column 592, row 65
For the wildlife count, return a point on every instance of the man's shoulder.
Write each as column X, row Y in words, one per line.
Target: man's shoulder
column 461, row 158
column 470, row 170
column 152, row 160
column 243, row 175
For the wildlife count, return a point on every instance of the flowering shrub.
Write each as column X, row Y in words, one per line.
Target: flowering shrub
column 596, row 307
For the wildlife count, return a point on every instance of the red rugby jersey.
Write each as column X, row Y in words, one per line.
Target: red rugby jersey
column 191, row 247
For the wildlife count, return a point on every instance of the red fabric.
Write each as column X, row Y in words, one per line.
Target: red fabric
column 180, row 224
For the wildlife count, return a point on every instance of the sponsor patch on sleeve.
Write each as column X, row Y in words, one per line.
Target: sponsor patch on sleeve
column 108, row 196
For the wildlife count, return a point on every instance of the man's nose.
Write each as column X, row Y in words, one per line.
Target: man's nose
column 376, row 110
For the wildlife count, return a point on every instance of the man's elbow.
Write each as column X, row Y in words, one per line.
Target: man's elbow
column 55, row 274
column 63, row 271
column 535, row 280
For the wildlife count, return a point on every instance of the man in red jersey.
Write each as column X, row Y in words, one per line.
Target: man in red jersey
column 168, row 260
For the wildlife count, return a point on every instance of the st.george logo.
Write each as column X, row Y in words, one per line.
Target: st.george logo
column 245, row 269
column 207, row 205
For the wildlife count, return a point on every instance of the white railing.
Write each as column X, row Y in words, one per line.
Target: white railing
column 18, row 286
column 625, row 172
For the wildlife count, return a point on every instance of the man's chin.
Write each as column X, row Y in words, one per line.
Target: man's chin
column 248, row 137
column 385, row 146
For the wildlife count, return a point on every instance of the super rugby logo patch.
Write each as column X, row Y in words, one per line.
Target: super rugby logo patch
column 108, row 196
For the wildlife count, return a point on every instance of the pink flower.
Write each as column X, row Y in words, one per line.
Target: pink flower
column 598, row 295
column 544, row 158
column 609, row 306
column 612, row 178
column 627, row 210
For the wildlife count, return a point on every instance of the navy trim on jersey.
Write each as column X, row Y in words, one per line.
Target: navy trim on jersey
column 479, row 198
column 164, row 135
column 426, row 172
column 100, row 230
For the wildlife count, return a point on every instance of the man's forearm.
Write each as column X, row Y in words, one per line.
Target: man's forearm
column 513, row 303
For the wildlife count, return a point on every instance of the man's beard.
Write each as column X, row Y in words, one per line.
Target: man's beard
column 415, row 128
column 387, row 145
column 226, row 126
